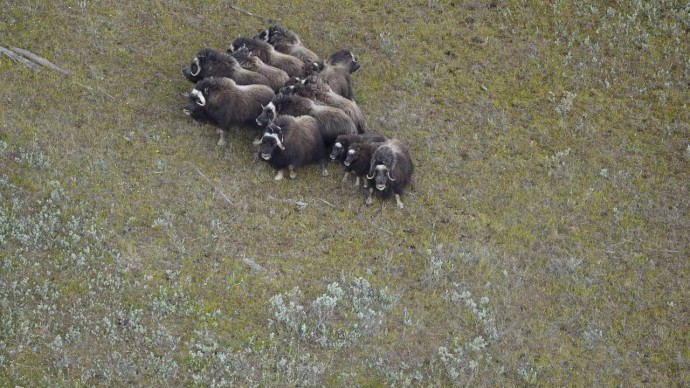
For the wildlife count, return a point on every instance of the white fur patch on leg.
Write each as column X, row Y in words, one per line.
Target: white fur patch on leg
column 356, row 181
column 221, row 141
column 397, row 199
column 369, row 198
column 293, row 173
column 279, row 175
column 345, row 177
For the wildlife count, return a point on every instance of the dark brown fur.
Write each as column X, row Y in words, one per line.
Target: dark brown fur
column 301, row 139
column 390, row 170
column 314, row 88
column 211, row 63
column 226, row 104
column 291, row 65
column 288, row 42
column 335, row 71
column 332, row 121
column 276, row 77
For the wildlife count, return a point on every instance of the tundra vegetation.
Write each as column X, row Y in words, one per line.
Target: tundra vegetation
column 544, row 239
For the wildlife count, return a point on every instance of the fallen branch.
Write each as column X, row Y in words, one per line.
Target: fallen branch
column 17, row 58
column 40, row 60
column 236, row 8
column 253, row 265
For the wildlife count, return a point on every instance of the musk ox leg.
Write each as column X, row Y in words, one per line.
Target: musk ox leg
column 222, row 141
column 324, row 172
column 397, row 199
column 357, row 181
column 370, row 200
column 293, row 173
column 279, row 175
column 345, row 177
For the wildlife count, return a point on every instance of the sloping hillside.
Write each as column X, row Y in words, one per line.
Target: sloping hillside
column 544, row 239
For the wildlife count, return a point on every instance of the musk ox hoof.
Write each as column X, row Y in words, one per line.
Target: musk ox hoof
column 324, row 172
column 279, row 176
column 293, row 175
column 369, row 201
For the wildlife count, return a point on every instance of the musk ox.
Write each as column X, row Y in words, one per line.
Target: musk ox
column 289, row 64
column 390, row 170
column 314, row 88
column 225, row 103
column 358, row 159
column 332, row 121
column 335, row 71
column 287, row 42
column 292, row 142
column 211, row 63
column 277, row 78
column 342, row 144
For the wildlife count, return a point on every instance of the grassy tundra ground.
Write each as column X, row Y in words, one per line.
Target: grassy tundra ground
column 544, row 240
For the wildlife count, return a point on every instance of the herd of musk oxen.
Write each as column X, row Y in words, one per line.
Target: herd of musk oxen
column 302, row 107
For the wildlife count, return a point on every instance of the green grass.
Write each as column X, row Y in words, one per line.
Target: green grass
column 550, row 144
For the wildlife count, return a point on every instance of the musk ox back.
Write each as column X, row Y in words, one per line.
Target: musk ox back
column 291, row 65
column 335, row 71
column 211, row 63
column 332, row 121
column 390, row 170
column 292, row 142
column 288, row 42
column 277, row 78
column 225, row 103
column 316, row 89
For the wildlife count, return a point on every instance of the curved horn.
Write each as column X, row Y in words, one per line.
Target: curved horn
column 388, row 172
column 199, row 97
column 372, row 175
column 198, row 67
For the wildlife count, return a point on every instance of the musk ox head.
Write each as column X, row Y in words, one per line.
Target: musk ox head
column 381, row 175
column 196, row 69
column 338, row 151
column 344, row 58
column 268, row 114
column 194, row 107
column 354, row 153
column 271, row 142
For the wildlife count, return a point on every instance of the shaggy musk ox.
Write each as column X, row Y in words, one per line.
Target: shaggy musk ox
column 291, row 65
column 292, row 142
column 314, row 88
column 277, row 78
column 332, row 121
column 335, row 71
column 358, row 159
column 211, row 63
column 287, row 42
column 343, row 143
column 390, row 170
column 225, row 103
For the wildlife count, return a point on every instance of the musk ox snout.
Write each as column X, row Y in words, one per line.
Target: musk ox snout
column 381, row 177
column 351, row 157
column 336, row 151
